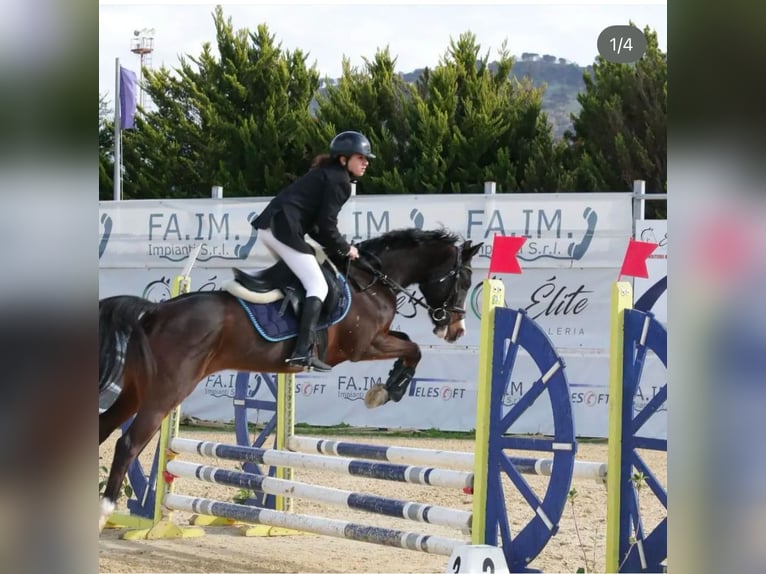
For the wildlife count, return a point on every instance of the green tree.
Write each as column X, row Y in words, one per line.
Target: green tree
column 464, row 121
column 375, row 101
column 495, row 129
column 620, row 133
column 237, row 119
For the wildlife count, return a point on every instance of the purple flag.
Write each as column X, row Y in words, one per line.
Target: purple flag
column 127, row 98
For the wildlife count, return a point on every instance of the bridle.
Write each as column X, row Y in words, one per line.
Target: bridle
column 439, row 315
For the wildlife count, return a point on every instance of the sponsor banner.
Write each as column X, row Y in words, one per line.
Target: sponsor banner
column 442, row 395
column 572, row 305
column 654, row 231
column 588, row 378
column 436, row 400
column 163, row 233
column 562, row 230
column 212, row 399
column 653, row 377
column 155, row 284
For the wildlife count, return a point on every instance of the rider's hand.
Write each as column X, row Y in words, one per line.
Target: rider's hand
column 353, row 253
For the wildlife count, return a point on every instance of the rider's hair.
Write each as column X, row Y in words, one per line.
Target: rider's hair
column 323, row 160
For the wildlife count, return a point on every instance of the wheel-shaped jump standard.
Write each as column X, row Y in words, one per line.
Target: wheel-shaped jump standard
column 640, row 551
column 513, row 329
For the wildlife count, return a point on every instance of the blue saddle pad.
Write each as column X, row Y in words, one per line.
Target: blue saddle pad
column 273, row 326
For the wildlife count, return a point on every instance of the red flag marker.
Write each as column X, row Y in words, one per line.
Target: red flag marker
column 636, row 255
column 504, row 250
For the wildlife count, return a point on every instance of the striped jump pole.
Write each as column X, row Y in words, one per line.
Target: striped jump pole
column 316, row 525
column 414, row 511
column 408, row 455
column 395, row 454
column 428, row 476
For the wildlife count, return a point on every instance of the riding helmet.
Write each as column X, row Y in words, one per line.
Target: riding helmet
column 349, row 143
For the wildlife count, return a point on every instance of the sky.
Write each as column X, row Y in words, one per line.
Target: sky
column 417, row 35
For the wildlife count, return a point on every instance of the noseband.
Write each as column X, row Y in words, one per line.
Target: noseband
column 439, row 315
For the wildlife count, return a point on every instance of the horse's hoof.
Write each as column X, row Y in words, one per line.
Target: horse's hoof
column 377, row 396
column 107, row 507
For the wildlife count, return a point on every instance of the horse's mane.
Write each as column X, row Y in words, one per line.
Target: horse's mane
column 117, row 315
column 406, row 238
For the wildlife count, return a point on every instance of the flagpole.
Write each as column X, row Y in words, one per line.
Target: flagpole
column 117, row 143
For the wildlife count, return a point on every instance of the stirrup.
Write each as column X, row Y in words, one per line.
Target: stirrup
column 310, row 362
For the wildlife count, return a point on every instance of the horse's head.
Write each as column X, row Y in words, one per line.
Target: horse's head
column 445, row 292
column 437, row 264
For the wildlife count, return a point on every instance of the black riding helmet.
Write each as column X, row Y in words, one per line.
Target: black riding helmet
column 349, row 143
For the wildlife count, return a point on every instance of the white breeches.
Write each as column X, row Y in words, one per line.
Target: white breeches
column 304, row 265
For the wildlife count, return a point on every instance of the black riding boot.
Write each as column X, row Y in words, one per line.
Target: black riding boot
column 303, row 354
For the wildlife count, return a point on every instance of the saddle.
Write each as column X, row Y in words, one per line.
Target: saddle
column 278, row 282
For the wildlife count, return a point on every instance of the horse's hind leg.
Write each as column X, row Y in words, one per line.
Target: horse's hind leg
column 121, row 410
column 127, row 448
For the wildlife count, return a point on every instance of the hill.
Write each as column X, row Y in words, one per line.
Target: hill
column 563, row 82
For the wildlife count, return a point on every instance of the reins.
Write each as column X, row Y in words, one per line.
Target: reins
column 439, row 314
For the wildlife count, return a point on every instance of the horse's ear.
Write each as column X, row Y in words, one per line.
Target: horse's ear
column 470, row 250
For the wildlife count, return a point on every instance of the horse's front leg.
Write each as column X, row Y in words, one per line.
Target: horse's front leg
column 393, row 344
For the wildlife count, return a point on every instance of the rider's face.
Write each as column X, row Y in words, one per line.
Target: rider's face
column 357, row 164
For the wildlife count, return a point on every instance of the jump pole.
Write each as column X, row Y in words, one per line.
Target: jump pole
column 462, row 460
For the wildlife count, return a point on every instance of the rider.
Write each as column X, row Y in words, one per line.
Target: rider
column 311, row 205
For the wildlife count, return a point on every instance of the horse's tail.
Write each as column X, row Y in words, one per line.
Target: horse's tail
column 120, row 323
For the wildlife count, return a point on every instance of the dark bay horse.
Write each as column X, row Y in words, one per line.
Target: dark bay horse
column 175, row 344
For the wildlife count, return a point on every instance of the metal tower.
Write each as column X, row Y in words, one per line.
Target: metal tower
column 142, row 44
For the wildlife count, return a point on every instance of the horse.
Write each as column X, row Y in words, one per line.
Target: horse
column 173, row 345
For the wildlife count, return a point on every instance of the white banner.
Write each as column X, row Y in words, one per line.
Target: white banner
column 562, row 230
column 574, row 249
column 442, row 395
